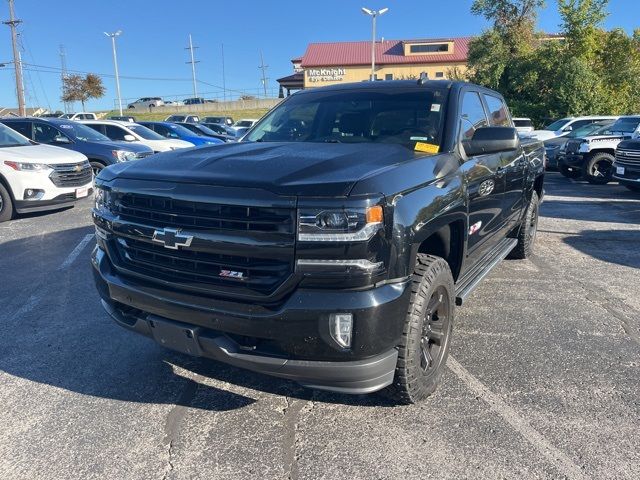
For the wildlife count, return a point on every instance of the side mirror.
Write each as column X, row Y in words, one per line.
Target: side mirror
column 567, row 129
column 129, row 138
column 492, row 140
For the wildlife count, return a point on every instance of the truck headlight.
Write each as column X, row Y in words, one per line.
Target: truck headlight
column 102, row 198
column 339, row 225
column 123, row 155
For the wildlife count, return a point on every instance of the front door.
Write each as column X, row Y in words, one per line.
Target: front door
column 485, row 182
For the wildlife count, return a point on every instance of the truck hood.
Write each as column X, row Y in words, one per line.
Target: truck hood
column 541, row 134
column 302, row 169
column 41, row 154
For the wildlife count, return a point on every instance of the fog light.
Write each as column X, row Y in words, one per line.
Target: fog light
column 340, row 328
column 33, row 194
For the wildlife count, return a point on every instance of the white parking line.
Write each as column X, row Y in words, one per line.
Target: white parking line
column 35, row 298
column 558, row 458
column 76, row 251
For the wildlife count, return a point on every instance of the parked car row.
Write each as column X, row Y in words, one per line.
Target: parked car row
column 50, row 162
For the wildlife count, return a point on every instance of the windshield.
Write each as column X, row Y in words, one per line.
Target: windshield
column 11, row 138
column 522, row 123
column 146, row 133
column 557, row 125
column 204, row 130
column 405, row 117
column 180, row 130
column 587, row 130
column 81, row 132
column 624, row 125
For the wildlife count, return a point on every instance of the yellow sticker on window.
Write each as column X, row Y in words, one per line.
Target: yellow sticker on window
column 426, row 147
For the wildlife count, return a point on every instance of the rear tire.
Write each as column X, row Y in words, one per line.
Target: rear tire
column 565, row 172
column 527, row 231
column 426, row 336
column 598, row 169
column 6, row 205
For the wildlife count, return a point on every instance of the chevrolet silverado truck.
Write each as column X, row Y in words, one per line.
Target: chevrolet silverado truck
column 592, row 156
column 331, row 245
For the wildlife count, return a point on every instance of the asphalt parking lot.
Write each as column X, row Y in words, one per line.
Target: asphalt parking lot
column 543, row 382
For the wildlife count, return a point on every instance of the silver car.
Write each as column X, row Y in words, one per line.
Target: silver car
column 146, row 102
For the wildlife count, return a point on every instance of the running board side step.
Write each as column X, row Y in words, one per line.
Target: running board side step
column 470, row 280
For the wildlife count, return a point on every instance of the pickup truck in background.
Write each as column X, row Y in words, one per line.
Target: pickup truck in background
column 626, row 168
column 333, row 243
column 592, row 156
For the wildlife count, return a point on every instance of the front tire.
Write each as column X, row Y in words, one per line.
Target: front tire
column 6, row 205
column 527, row 231
column 598, row 170
column 426, row 336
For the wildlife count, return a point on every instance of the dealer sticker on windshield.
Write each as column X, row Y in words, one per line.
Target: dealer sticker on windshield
column 426, row 147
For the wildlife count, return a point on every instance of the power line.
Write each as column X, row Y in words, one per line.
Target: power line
column 58, row 70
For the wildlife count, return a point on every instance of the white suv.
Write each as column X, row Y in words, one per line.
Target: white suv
column 146, row 102
column 80, row 116
column 35, row 177
column 134, row 132
column 563, row 126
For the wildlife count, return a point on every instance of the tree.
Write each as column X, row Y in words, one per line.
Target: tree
column 580, row 23
column 76, row 88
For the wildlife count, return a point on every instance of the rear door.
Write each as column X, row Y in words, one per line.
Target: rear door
column 485, row 184
column 513, row 165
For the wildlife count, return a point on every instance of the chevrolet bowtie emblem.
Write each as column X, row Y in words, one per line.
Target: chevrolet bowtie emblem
column 172, row 238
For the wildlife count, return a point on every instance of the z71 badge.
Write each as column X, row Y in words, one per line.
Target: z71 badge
column 231, row 274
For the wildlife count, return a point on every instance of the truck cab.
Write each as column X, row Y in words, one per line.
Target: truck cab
column 332, row 244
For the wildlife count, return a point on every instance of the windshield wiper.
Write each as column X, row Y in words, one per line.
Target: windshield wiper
column 331, row 140
column 15, row 145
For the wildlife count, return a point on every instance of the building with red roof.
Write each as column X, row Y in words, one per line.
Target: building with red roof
column 341, row 62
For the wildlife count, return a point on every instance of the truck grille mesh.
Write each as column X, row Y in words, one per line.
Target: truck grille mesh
column 628, row 157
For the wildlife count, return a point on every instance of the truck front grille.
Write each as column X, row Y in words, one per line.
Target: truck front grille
column 573, row 146
column 201, row 269
column 233, row 250
column 628, row 157
column 168, row 212
column 71, row 174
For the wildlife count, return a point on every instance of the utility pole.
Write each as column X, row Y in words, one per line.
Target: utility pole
column 63, row 75
column 224, row 82
column 17, row 61
column 115, row 65
column 263, row 67
column 373, row 14
column 193, row 67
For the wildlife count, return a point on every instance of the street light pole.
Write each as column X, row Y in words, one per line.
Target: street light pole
column 115, row 65
column 373, row 14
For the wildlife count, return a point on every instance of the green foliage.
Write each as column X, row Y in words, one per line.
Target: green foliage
column 76, row 88
column 590, row 71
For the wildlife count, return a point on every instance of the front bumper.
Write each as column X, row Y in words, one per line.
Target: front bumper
column 631, row 175
column 60, row 201
column 290, row 341
column 572, row 160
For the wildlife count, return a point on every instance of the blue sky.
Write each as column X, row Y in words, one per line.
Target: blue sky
column 155, row 34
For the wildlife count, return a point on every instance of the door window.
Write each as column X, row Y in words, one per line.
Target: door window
column 23, row 128
column 472, row 116
column 114, row 132
column 498, row 113
column 43, row 133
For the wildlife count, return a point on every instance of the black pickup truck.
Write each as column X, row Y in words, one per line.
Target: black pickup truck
column 332, row 243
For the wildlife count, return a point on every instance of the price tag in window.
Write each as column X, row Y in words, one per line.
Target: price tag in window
column 426, row 147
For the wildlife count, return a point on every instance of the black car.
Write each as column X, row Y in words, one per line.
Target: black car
column 332, row 244
column 626, row 167
column 204, row 131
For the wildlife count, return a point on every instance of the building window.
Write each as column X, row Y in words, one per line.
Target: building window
column 429, row 48
column 439, row 74
column 388, row 76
